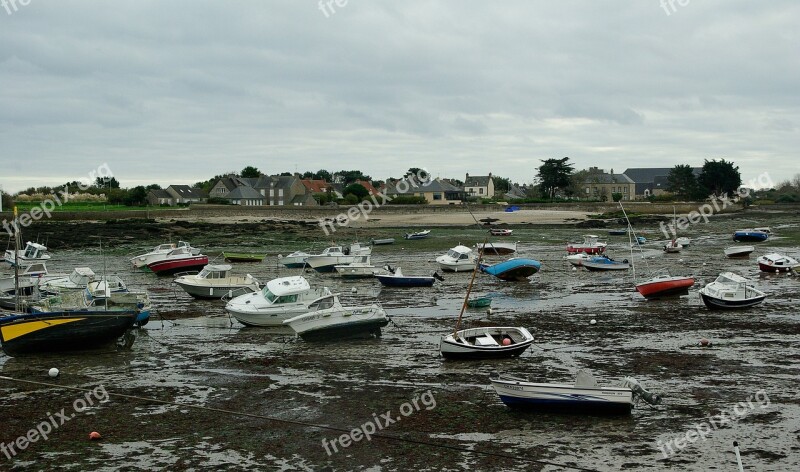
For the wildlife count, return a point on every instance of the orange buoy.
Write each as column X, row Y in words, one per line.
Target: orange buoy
column 94, row 435
column 705, row 342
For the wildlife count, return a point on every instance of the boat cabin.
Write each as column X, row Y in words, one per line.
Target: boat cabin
column 81, row 276
column 459, row 253
column 215, row 271
column 323, row 303
column 731, row 286
column 34, row 251
column 285, row 289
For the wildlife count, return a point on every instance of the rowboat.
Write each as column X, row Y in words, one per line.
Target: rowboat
column 494, row 342
column 500, row 232
column 730, row 291
column 518, row 268
column 382, row 242
column 215, row 282
column 739, row 251
column 480, row 302
column 750, row 235
column 497, row 248
column 663, row 286
column 418, row 234
column 590, row 245
column 328, row 320
column 242, row 257
column 777, row 263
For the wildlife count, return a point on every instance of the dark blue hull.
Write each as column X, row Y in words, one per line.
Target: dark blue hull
column 568, row 406
column 750, row 236
column 405, row 281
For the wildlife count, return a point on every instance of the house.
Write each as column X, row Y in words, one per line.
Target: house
column 653, row 180
column 479, row 186
column 514, row 193
column 184, row 194
column 245, row 195
column 225, row 185
column 158, row 197
column 436, row 192
column 289, row 190
column 602, row 185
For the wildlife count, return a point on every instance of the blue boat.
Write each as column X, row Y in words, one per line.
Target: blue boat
column 599, row 263
column 396, row 279
column 750, row 236
column 517, row 268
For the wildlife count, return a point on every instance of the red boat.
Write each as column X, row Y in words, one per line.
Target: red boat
column 590, row 245
column 178, row 260
column 777, row 263
column 665, row 286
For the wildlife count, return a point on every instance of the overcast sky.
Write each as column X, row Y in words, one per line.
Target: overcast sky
column 173, row 92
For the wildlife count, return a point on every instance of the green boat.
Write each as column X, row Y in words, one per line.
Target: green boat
column 242, row 257
column 481, row 302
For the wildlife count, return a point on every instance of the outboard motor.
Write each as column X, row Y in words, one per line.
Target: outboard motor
column 438, row 277
column 640, row 392
column 389, row 268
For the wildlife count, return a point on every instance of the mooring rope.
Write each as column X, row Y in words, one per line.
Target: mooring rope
column 385, row 437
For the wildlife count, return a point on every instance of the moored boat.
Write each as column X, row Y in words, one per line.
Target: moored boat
column 590, row 245
column 215, row 281
column 500, row 232
column 617, row 232
column 418, row 234
column 750, row 236
column 498, row 248
column 382, row 242
column 336, row 255
column 77, row 280
column 673, row 247
column 518, row 268
column 178, row 260
column 295, row 260
column 775, row 262
column 663, row 286
column 578, row 258
column 279, row 300
column 730, row 291
column 601, row 263
column 457, row 259
column 159, row 252
column 395, row 278
column 495, row 342
column 242, row 257
column 479, row 302
column 739, row 251
column 328, row 320
column 33, row 252
column 361, row 267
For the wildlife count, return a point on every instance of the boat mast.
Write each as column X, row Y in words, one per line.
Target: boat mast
column 469, row 288
column 630, row 231
column 17, row 305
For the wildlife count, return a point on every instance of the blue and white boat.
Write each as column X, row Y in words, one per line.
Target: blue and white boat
column 599, row 263
column 395, row 278
column 518, row 268
column 750, row 236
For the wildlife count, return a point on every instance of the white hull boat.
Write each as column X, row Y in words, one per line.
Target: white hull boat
column 295, row 260
column 739, row 251
column 494, row 342
column 457, row 259
column 280, row 300
column 731, row 291
column 683, row 241
column 578, row 258
column 333, row 256
column 777, row 263
column 498, row 248
column 215, row 281
column 360, row 268
column 33, row 252
column 77, row 280
column 673, row 247
column 328, row 320
column 159, row 253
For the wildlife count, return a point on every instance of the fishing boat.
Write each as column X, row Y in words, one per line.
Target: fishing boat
column 497, row 248
column 494, row 342
column 279, row 300
column 578, row 258
column 242, row 257
column 777, row 263
column 159, row 252
column 665, row 285
column 750, row 236
column 328, row 320
column 673, row 247
column 617, row 232
column 77, row 280
column 395, row 278
column 479, row 302
column 584, row 396
column 216, row 281
column 33, row 252
column 601, row 263
column 590, row 245
column 295, row 260
column 360, row 268
column 457, row 259
column 418, row 234
column 683, row 241
column 518, row 268
column 107, row 284
column 382, row 242
column 179, row 259
column 731, row 291
column 739, row 251
column 330, row 257
column 500, row 232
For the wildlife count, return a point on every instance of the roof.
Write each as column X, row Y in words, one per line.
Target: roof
column 435, row 185
column 316, row 185
column 231, row 182
column 218, row 267
column 288, row 285
column 367, row 185
column 186, row 191
column 245, row 192
column 648, row 174
column 609, row 179
column 303, row 198
column 477, row 180
column 159, row 193
column 282, row 181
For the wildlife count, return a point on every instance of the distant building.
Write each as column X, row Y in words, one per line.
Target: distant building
column 602, row 185
column 652, row 180
column 158, row 197
column 436, row 192
column 186, row 194
column 514, row 192
column 479, row 186
column 289, row 190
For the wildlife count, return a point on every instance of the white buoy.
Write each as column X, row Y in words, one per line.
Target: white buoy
column 574, row 268
column 489, row 311
column 680, row 260
column 353, row 290
column 593, row 322
column 53, row 372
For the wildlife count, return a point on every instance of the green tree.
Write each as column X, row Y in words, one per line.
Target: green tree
column 350, row 176
column 554, row 174
column 251, row 172
column 358, row 190
column 106, row 182
column 501, row 184
column 616, row 196
column 137, row 196
column 351, row 199
column 719, row 177
column 154, row 187
column 681, row 181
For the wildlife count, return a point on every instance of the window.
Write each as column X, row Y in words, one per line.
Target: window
column 437, row 196
column 480, row 190
column 624, row 189
column 280, row 192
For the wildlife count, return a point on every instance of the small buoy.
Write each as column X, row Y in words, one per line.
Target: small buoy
column 777, row 270
column 574, row 268
column 354, row 290
column 53, row 372
column 488, row 311
column 705, row 263
column 94, row 435
column 704, row 342
column 680, row 260
column 506, row 342
column 594, row 321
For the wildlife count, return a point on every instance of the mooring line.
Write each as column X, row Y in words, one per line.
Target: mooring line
column 306, row 424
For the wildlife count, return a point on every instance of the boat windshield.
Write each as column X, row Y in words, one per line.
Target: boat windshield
column 274, row 299
column 453, row 254
column 268, row 295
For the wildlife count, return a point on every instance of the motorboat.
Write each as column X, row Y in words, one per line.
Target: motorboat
column 777, row 263
column 279, row 300
column 457, row 259
column 361, row 267
column 295, row 260
column 584, row 396
column 683, row 241
column 500, row 232
column 418, row 234
column 30, row 274
column 663, row 286
column 590, row 245
column 179, row 259
column 578, row 258
column 242, row 257
column 518, row 268
column 382, row 242
column 731, row 291
column 739, row 251
column 485, row 343
column 328, row 320
column 216, row 281
column 498, row 248
column 159, row 252
column 640, row 240
column 77, row 280
column 673, row 247
column 330, row 257
column 395, row 278
column 600, row 263
column 33, row 252
column 107, row 284
column 750, row 236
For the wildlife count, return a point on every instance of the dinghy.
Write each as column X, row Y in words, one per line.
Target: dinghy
column 418, row 234
column 494, row 342
column 518, row 268
column 500, row 232
column 497, row 248
column 601, row 263
column 663, row 286
column 750, row 236
column 395, row 278
column 739, row 251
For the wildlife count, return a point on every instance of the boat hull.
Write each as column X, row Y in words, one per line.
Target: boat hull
column 665, row 288
column 750, row 236
column 772, row 269
column 267, row 318
column 170, row 267
column 564, row 398
column 349, row 330
column 207, row 292
column 451, row 347
column 390, row 281
column 498, row 248
column 63, row 331
column 743, row 251
column 513, row 269
column 599, row 267
column 714, row 303
column 382, row 242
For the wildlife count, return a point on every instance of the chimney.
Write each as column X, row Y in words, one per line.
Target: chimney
column 490, row 174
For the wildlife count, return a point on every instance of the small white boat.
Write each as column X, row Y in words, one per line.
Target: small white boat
column 328, row 320
column 295, row 260
column 497, row 247
column 360, row 268
column 159, row 253
column 578, row 258
column 739, row 251
column 382, row 242
column 585, row 395
column 683, row 241
column 457, row 259
column 336, row 255
column 493, row 342
column 215, row 281
column 77, row 280
column 500, row 232
column 730, row 291
column 30, row 274
column 106, row 285
column 280, row 300
column 418, row 234
column 673, row 247
column 33, row 252
column 777, row 263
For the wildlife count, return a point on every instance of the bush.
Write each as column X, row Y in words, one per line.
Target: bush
column 787, row 199
column 616, row 196
column 351, row 199
column 218, row 201
column 408, row 200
